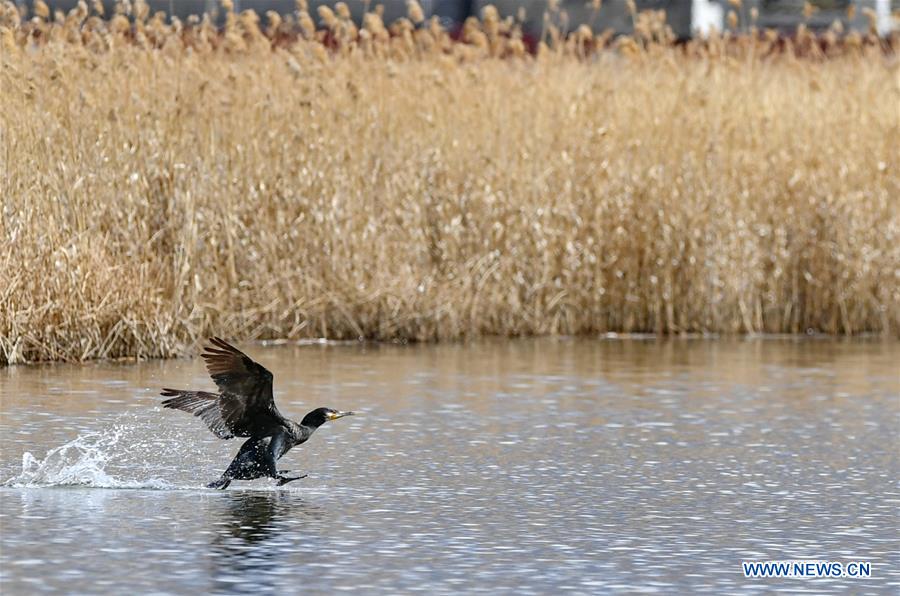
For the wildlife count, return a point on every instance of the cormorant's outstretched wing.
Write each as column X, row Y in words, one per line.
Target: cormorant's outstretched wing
column 246, row 403
column 202, row 404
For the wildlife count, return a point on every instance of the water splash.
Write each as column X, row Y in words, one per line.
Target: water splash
column 81, row 462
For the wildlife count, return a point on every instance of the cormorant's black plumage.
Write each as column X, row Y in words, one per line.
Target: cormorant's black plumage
column 245, row 407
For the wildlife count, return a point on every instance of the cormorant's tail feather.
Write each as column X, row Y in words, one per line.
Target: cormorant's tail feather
column 202, row 404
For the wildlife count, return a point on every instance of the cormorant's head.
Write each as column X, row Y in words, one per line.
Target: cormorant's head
column 320, row 416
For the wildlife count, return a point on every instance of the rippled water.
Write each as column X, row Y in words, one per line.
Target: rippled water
column 525, row 466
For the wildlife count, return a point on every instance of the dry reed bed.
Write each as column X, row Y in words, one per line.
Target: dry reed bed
column 153, row 195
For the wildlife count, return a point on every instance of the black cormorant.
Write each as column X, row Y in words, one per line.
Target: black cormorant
column 245, row 407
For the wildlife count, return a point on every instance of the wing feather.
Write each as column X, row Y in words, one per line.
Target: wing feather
column 202, row 404
column 246, row 401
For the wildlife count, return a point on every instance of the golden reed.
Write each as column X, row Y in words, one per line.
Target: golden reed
column 274, row 178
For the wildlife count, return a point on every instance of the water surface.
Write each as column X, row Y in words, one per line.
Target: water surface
column 530, row 466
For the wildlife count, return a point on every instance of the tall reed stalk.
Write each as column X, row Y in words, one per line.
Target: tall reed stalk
column 163, row 182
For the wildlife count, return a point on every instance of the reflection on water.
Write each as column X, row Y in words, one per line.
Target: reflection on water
column 248, row 549
column 530, row 466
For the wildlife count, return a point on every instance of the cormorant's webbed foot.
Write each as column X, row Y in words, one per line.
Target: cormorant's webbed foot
column 222, row 482
column 282, row 480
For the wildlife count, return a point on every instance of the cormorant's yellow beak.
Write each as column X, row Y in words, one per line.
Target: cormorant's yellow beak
column 336, row 415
